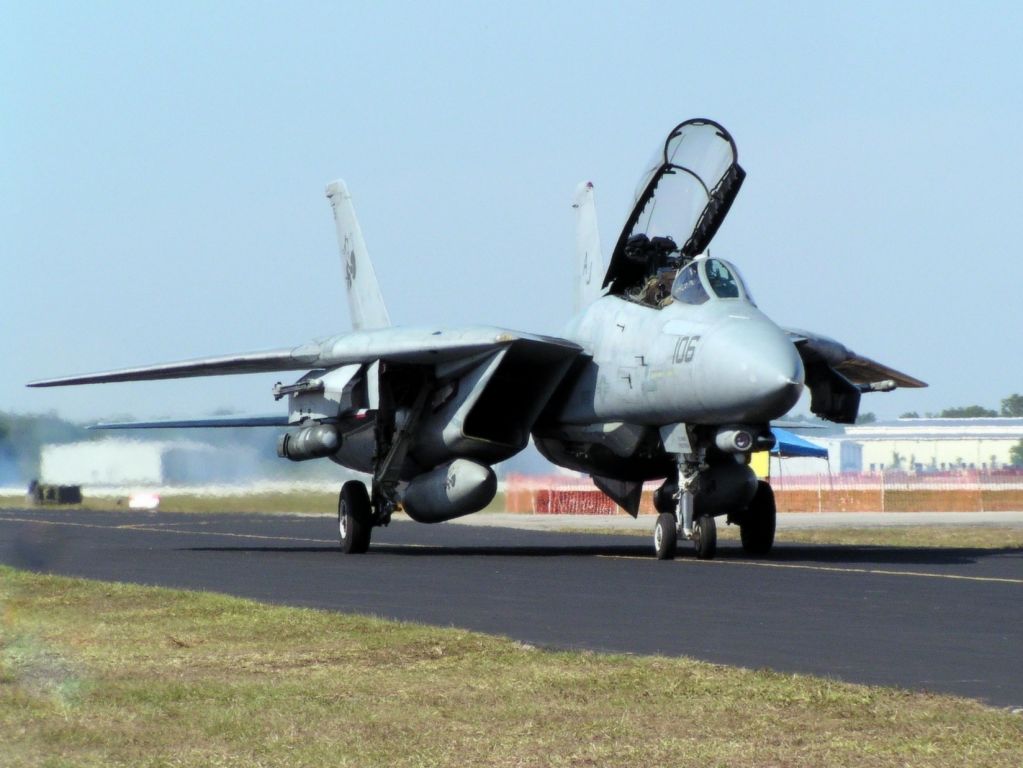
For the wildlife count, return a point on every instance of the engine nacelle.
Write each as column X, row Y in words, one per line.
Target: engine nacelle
column 451, row 490
column 314, row 442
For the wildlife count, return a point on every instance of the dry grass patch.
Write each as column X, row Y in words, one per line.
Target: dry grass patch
column 945, row 536
column 93, row 673
column 276, row 502
column 271, row 502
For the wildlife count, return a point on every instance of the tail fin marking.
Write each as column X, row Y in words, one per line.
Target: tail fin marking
column 365, row 301
column 589, row 264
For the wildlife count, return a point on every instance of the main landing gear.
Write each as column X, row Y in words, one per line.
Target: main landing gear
column 357, row 515
column 357, row 511
column 354, row 518
column 757, row 523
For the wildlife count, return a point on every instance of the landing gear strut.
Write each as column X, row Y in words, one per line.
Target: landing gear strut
column 357, row 512
column 675, row 501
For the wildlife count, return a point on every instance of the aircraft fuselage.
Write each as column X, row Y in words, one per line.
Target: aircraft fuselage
column 718, row 362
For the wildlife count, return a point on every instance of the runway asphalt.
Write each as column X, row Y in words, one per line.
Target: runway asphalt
column 946, row 620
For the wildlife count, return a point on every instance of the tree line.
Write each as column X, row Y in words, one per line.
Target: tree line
column 22, row 436
column 1012, row 406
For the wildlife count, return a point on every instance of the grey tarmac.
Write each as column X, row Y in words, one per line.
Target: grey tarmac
column 943, row 620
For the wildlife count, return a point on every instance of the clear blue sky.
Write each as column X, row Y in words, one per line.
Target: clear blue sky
column 163, row 167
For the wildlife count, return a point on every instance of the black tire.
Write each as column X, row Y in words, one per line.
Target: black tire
column 665, row 536
column 354, row 518
column 756, row 527
column 705, row 537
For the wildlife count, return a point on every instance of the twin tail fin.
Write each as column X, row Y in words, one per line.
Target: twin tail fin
column 365, row 302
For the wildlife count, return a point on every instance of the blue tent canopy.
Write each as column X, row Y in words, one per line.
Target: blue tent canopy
column 790, row 444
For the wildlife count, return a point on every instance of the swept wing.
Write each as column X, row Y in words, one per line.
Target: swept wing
column 836, row 376
column 224, row 365
column 816, row 349
column 406, row 345
column 230, row 421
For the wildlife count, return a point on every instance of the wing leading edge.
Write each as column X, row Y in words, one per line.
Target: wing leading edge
column 229, row 421
column 296, row 359
column 406, row 345
column 858, row 369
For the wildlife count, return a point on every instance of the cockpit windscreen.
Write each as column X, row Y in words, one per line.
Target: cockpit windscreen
column 687, row 288
column 721, row 280
column 693, row 281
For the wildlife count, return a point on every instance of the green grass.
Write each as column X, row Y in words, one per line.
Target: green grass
column 95, row 674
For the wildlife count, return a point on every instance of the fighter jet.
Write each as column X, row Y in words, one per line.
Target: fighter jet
column 668, row 372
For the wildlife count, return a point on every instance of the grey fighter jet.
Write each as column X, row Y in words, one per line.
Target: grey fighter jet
column 668, row 371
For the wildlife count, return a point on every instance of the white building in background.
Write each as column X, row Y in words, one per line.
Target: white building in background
column 117, row 462
column 913, row 445
column 931, row 445
column 910, row 445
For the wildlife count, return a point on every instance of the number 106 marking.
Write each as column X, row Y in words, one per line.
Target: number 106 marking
column 685, row 348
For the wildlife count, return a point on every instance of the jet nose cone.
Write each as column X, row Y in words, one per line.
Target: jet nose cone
column 776, row 379
column 752, row 372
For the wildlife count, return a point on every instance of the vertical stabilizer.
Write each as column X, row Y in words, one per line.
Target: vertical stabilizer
column 589, row 265
column 364, row 299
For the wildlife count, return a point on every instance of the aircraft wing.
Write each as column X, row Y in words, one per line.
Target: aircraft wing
column 858, row 369
column 223, row 422
column 863, row 370
column 405, row 345
column 836, row 376
column 252, row 362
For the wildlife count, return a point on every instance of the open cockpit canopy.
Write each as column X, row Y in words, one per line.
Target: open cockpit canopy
column 680, row 203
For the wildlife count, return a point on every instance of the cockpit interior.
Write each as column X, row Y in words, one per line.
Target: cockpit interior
column 699, row 281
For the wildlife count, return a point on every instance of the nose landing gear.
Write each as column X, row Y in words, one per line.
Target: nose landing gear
column 705, row 537
column 675, row 501
column 665, row 536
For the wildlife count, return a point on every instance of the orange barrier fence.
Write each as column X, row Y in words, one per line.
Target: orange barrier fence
column 826, row 500
column 968, row 492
